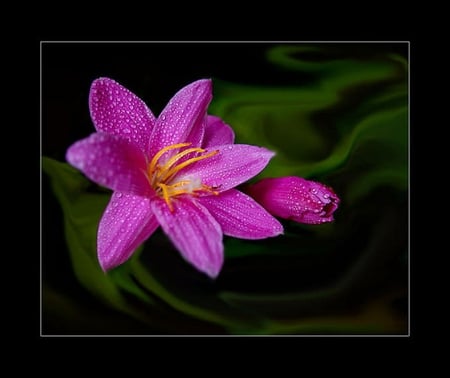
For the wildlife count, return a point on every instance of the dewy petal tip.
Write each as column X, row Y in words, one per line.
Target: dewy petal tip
column 116, row 110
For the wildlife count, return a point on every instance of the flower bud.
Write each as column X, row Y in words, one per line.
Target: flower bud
column 295, row 198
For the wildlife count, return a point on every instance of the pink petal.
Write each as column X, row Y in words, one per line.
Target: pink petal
column 231, row 166
column 183, row 119
column 217, row 132
column 296, row 198
column 115, row 110
column 194, row 232
column 240, row 216
column 126, row 223
column 111, row 161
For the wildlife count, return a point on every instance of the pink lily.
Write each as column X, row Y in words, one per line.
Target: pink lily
column 296, row 198
column 178, row 171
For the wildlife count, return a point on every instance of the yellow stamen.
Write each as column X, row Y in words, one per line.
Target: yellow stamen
column 174, row 193
column 161, row 176
column 166, row 195
column 160, row 153
column 207, row 188
column 177, row 157
column 180, row 183
column 174, row 170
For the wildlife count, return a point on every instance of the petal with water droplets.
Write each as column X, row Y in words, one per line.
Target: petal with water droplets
column 184, row 118
column 194, row 232
column 217, row 132
column 240, row 216
column 116, row 110
column 111, row 161
column 126, row 223
column 232, row 165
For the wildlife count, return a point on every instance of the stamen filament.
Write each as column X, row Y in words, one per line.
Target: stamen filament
column 166, row 195
column 161, row 175
column 177, row 157
column 210, row 189
column 180, row 183
column 174, row 170
column 178, row 192
column 160, row 153
column 207, row 188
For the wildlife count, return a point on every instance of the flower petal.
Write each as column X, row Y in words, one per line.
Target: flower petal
column 126, row 223
column 240, row 216
column 194, row 232
column 296, row 198
column 111, row 161
column 115, row 110
column 231, row 166
column 183, row 119
column 217, row 132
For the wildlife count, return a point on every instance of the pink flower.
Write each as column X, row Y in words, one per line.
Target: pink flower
column 177, row 171
column 295, row 198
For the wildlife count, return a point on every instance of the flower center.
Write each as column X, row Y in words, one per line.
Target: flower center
column 162, row 176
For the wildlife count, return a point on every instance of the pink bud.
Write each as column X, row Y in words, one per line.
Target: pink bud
column 295, row 198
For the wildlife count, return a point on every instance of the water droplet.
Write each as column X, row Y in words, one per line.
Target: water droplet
column 119, row 195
